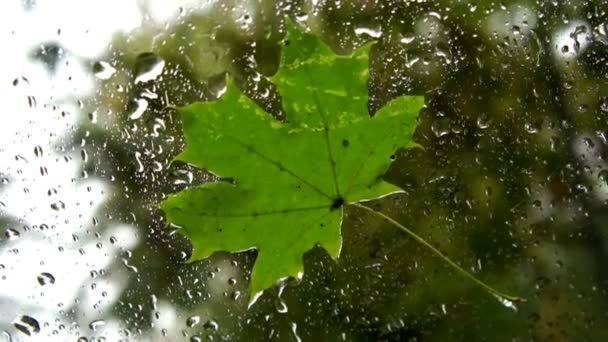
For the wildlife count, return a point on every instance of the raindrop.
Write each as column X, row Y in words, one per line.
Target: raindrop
column 211, row 325
column 128, row 266
column 38, row 151
column 45, row 278
column 96, row 324
column 153, row 301
column 149, row 94
column 604, row 105
column 11, row 234
column 27, row 325
column 483, row 122
column 140, row 165
column 280, row 306
column 31, row 101
column 148, row 67
column 103, row 70
column 182, row 176
column 136, row 108
column 374, row 33
column 507, row 303
column 192, row 321
column 603, row 177
column 582, row 108
column 58, row 206
column 157, row 166
column 294, row 331
column 412, row 62
column 406, row 39
column 441, row 127
column 532, row 127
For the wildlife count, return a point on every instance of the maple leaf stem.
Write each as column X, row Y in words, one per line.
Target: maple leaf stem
column 504, row 298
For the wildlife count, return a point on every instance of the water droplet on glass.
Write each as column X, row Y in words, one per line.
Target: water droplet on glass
column 153, row 301
column 45, row 278
column 31, row 101
column 211, row 325
column 136, row 108
column 483, row 122
column 603, row 177
column 27, row 325
column 11, row 234
column 103, row 70
column 532, row 127
column 96, row 324
column 148, row 67
column 582, row 107
column 58, row 206
column 441, row 127
column 280, row 306
column 374, row 33
column 130, row 267
column 192, row 321
column 604, row 105
column 294, row 331
column 149, row 94
column 406, row 39
column 410, row 63
column 507, row 303
column 38, row 151
column 140, row 165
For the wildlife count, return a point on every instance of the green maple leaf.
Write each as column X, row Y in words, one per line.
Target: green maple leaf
column 291, row 180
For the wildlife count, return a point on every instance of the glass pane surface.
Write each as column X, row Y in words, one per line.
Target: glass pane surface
column 510, row 180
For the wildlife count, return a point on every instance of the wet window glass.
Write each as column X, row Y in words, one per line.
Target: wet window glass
column 497, row 230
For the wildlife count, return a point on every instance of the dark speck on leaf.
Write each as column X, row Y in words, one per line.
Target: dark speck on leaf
column 345, row 142
column 286, row 42
column 393, row 157
column 338, row 202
